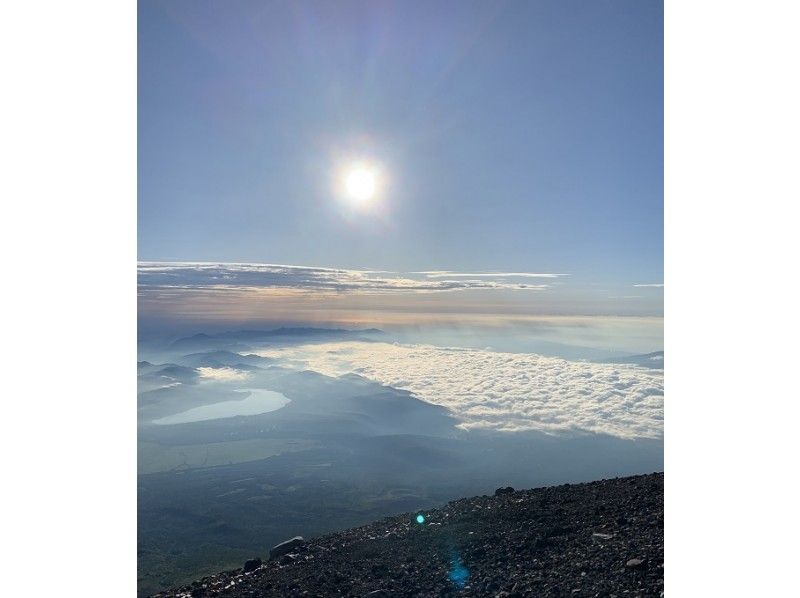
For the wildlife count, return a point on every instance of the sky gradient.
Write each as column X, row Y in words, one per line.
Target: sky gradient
column 515, row 138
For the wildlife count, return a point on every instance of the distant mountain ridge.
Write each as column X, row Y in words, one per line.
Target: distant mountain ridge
column 232, row 336
column 654, row 360
column 217, row 359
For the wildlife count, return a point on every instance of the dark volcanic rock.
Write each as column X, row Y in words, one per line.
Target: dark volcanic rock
column 288, row 559
column 251, row 565
column 502, row 491
column 598, row 539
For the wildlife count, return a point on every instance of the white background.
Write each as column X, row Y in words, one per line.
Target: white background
column 68, row 196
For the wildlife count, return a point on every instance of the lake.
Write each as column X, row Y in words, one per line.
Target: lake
column 259, row 401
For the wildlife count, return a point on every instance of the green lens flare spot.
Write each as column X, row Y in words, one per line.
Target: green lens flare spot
column 420, row 518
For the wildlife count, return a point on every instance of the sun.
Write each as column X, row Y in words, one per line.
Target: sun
column 361, row 183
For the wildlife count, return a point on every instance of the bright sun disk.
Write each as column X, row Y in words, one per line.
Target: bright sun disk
column 361, row 183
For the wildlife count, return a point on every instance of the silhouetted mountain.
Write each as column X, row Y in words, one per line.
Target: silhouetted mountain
column 225, row 339
column 152, row 376
column 217, row 359
column 288, row 331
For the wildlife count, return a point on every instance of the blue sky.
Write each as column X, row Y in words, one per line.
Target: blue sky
column 511, row 137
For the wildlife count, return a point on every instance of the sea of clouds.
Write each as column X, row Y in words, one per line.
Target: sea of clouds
column 502, row 391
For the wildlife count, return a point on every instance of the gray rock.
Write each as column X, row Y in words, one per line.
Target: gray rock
column 286, row 547
column 635, row 563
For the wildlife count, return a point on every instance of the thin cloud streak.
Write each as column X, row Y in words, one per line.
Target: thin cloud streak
column 450, row 274
column 203, row 275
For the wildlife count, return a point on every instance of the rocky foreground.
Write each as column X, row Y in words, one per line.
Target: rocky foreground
column 603, row 538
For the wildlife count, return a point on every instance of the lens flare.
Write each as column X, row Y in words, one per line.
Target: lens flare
column 458, row 573
column 420, row 518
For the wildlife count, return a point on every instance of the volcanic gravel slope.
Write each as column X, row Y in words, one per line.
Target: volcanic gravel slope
column 602, row 538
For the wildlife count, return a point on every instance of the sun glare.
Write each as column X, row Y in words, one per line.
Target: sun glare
column 360, row 183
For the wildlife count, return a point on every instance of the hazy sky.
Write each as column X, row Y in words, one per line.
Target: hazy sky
column 512, row 136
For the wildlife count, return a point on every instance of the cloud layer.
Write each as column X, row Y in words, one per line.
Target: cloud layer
column 184, row 275
column 223, row 374
column 503, row 391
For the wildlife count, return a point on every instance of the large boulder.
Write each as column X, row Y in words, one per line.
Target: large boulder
column 286, row 547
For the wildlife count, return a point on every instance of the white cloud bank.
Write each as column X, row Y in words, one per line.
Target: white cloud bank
column 223, row 374
column 503, row 391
